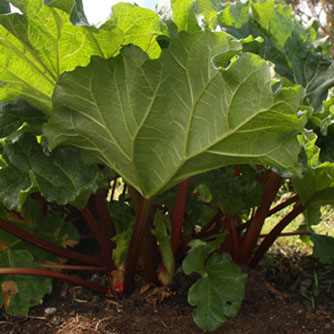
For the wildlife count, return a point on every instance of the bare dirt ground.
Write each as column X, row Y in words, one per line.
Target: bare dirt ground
column 286, row 295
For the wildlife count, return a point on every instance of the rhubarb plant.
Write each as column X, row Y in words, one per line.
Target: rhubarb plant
column 201, row 111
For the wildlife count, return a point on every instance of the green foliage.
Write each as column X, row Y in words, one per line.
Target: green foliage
column 19, row 293
column 316, row 187
column 162, row 231
column 15, row 252
column 157, row 98
column 123, row 222
column 122, row 241
column 286, row 43
column 4, row 7
column 205, row 132
column 17, row 115
column 234, row 194
column 220, row 291
column 52, row 228
column 59, row 175
column 39, row 45
column 323, row 248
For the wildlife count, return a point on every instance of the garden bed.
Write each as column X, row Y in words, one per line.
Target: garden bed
column 291, row 295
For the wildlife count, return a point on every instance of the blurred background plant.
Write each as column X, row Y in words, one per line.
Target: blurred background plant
column 318, row 12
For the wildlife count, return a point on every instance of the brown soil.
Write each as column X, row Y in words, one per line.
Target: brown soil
column 285, row 297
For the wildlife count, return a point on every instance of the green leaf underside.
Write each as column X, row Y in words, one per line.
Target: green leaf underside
column 157, row 122
column 39, row 45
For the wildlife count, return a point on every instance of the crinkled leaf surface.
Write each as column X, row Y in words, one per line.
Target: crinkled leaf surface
column 327, row 145
column 15, row 185
column 157, row 122
column 323, row 125
column 183, row 15
column 40, row 44
column 207, row 9
column 220, row 291
column 13, row 116
column 234, row 194
column 200, row 214
column 316, row 186
column 60, row 176
column 286, row 43
column 26, row 291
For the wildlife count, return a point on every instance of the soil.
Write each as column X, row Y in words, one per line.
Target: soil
column 291, row 294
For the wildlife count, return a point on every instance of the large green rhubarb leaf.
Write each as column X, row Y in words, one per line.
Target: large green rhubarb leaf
column 41, row 43
column 157, row 122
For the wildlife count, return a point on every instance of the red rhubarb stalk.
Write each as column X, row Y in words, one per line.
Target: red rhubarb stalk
column 287, row 234
column 102, row 209
column 274, row 233
column 142, row 214
column 101, row 238
column 234, row 238
column 36, row 241
column 283, row 205
column 249, row 241
column 69, row 267
column 53, row 274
